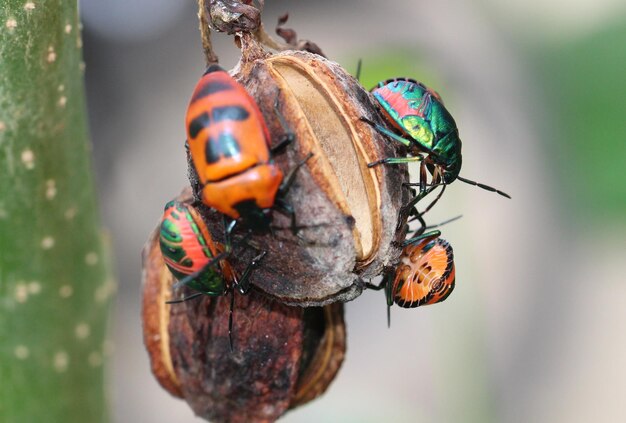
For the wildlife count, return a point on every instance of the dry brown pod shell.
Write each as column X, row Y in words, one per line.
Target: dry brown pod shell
column 283, row 356
column 349, row 213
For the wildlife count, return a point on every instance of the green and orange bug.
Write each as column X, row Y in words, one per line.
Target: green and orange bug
column 424, row 275
column 228, row 141
column 195, row 259
column 425, row 127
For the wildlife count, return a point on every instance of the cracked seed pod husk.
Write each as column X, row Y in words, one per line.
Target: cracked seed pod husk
column 282, row 356
column 348, row 214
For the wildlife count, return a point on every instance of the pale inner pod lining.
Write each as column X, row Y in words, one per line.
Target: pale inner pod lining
column 351, row 183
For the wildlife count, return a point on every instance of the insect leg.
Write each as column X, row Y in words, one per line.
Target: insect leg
column 430, row 206
column 428, row 235
column 229, row 227
column 288, row 135
column 286, row 209
column 396, row 160
column 288, row 181
column 243, row 287
column 409, row 208
column 423, row 227
column 182, row 300
column 375, row 287
column 191, row 277
column 385, row 131
column 389, row 296
column 243, row 284
column 423, row 176
column 385, row 284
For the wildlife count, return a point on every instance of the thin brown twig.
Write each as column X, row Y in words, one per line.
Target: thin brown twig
column 205, row 32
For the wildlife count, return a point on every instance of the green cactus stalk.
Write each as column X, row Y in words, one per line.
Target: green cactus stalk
column 55, row 286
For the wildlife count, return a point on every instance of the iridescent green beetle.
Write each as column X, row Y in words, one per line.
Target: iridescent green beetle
column 426, row 128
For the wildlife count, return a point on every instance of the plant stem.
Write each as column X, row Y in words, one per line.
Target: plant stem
column 55, row 286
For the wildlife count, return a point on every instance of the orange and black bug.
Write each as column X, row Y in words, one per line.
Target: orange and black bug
column 228, row 141
column 196, row 260
column 424, row 275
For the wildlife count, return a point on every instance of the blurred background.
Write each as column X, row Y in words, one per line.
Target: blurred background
column 533, row 331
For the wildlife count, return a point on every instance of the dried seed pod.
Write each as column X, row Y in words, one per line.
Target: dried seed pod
column 156, row 286
column 283, row 356
column 348, row 212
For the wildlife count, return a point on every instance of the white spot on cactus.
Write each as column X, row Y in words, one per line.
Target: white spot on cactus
column 2, row 126
column 29, row 6
column 95, row 359
column 61, row 361
column 81, row 65
column 62, row 101
column 61, row 88
column 11, row 24
column 28, row 158
column 105, row 291
column 79, row 42
column 82, row 330
column 66, row 291
column 52, row 55
column 70, row 213
column 47, row 243
column 91, row 258
column 34, row 288
column 68, row 28
column 51, row 189
column 21, row 352
column 21, row 292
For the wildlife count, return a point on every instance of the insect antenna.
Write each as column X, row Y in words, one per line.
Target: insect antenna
column 483, row 186
column 191, row 277
column 423, row 227
column 358, row 70
column 445, row 222
column 388, row 316
column 430, row 206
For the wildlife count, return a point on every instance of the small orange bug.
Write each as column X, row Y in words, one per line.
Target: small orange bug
column 424, row 275
column 228, row 141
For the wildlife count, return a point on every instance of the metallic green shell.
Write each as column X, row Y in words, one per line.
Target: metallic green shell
column 420, row 114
